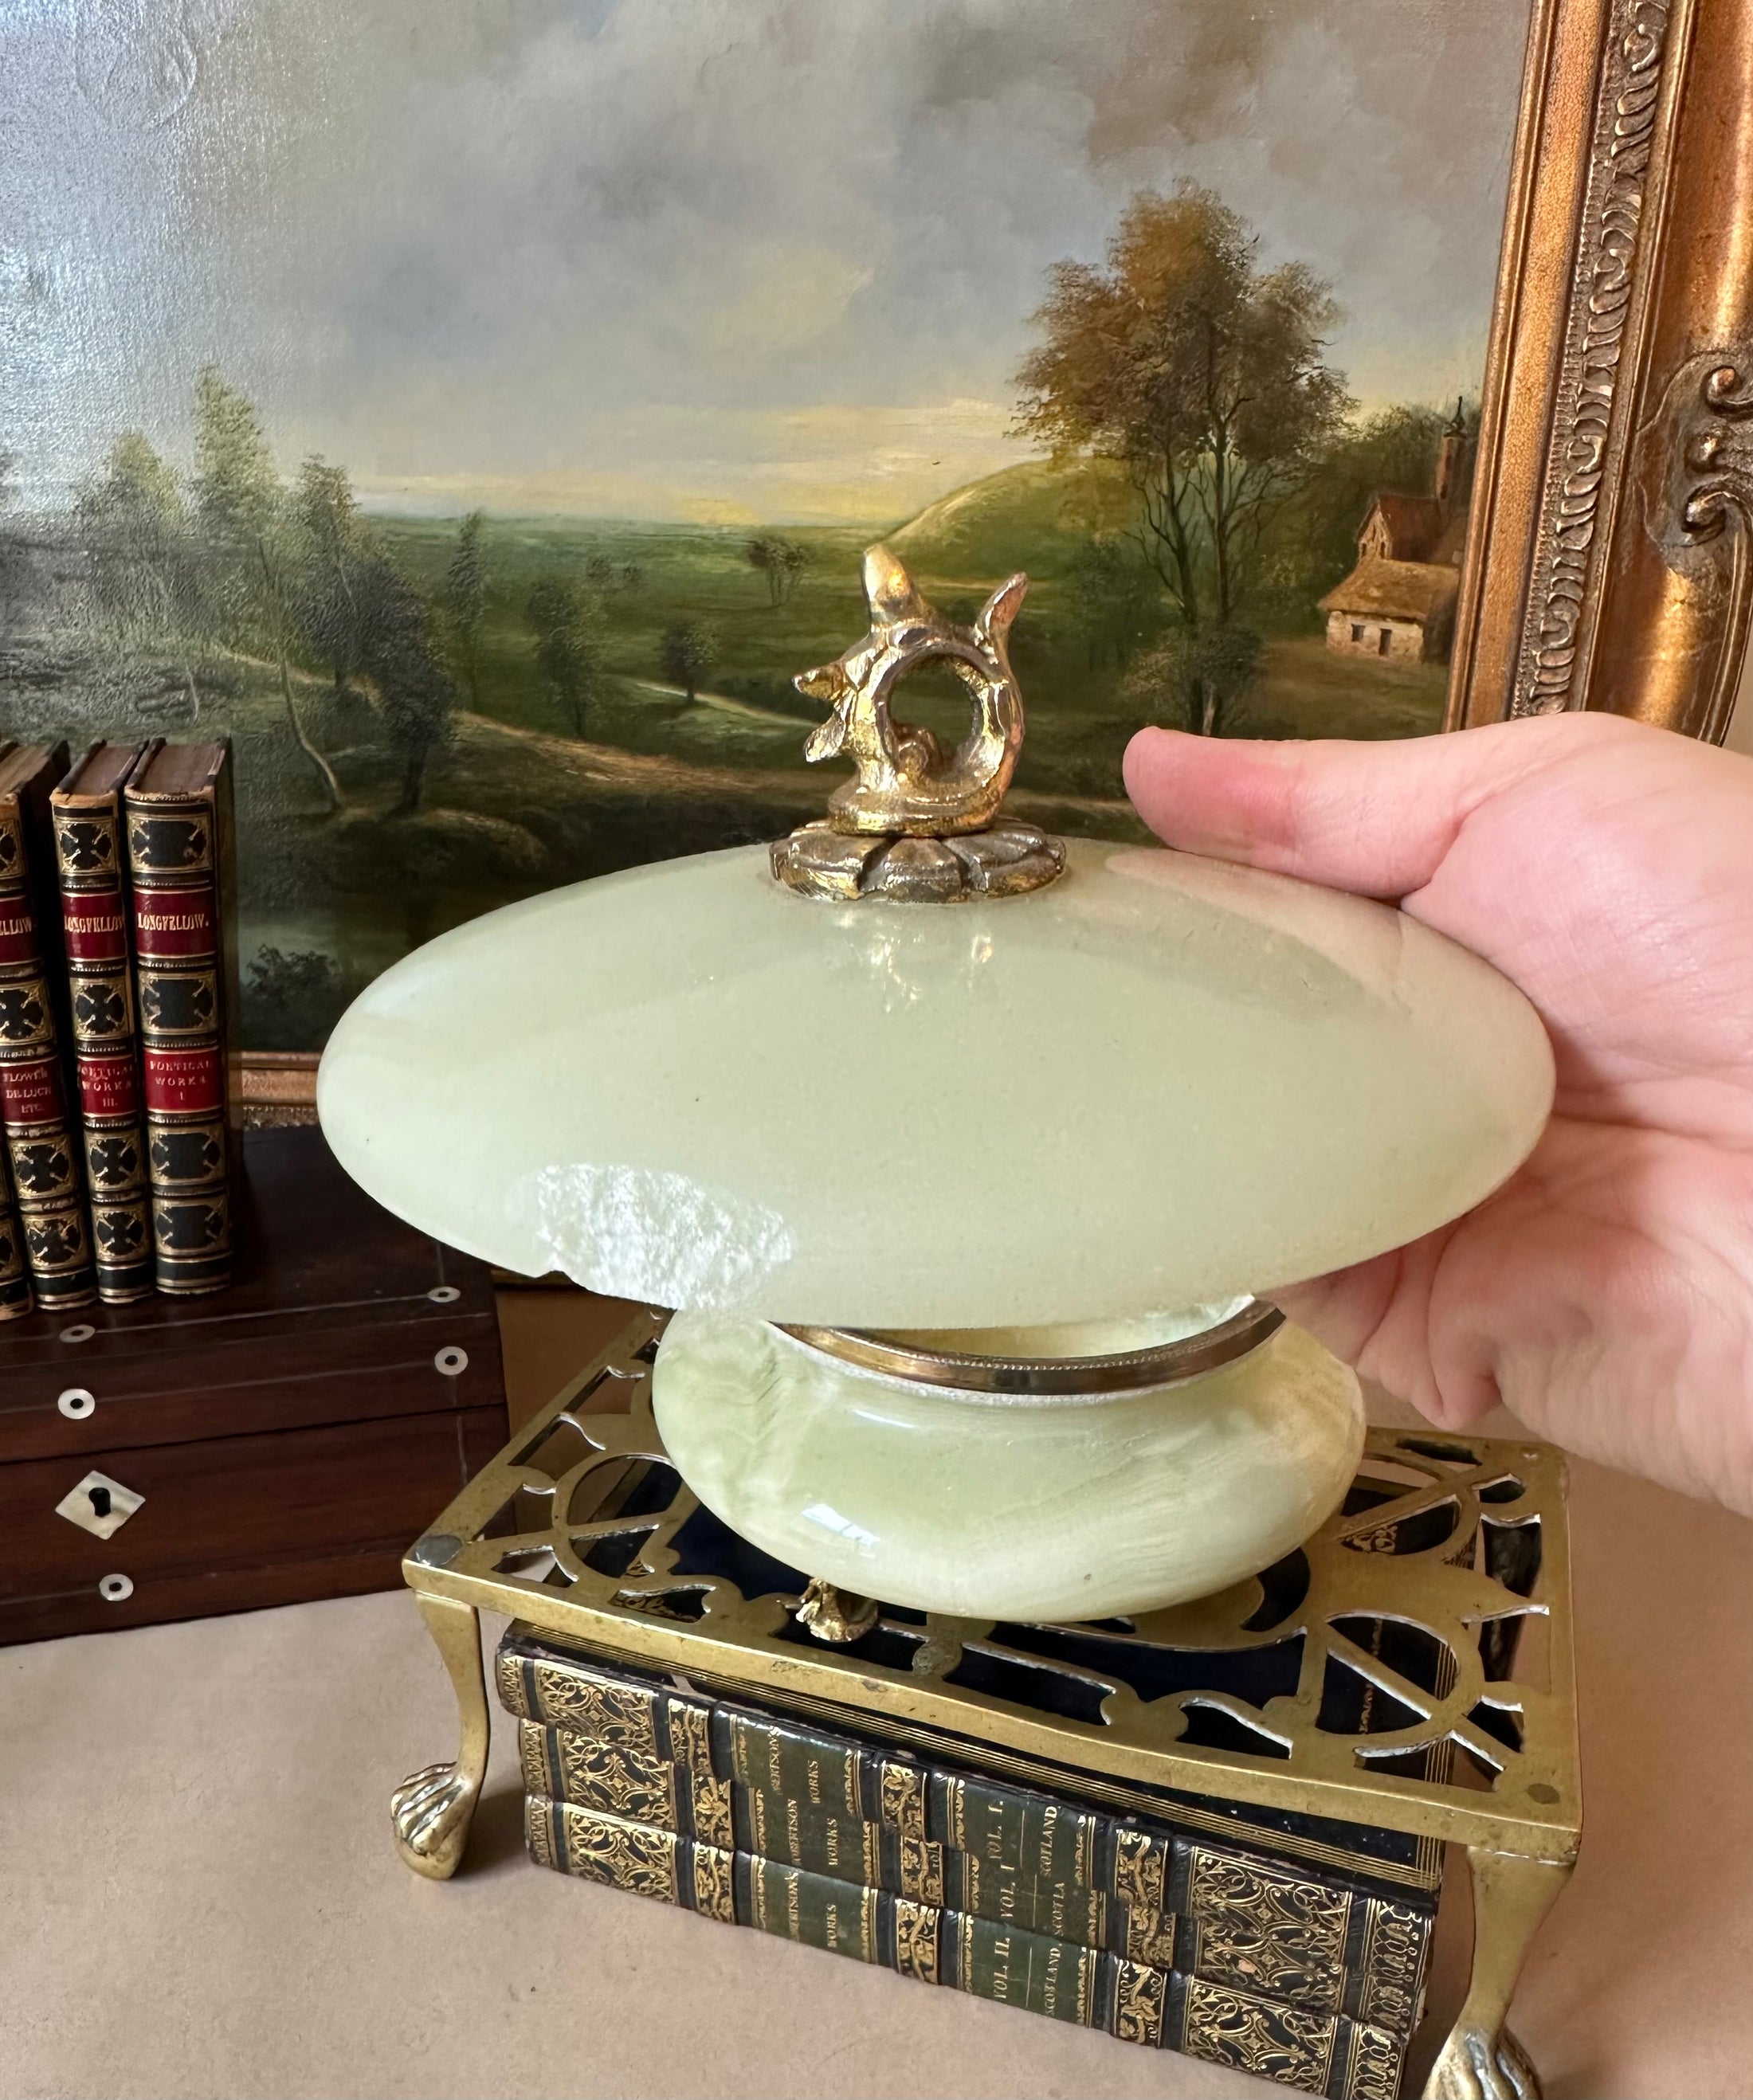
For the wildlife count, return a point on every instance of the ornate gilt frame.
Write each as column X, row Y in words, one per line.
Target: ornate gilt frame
column 1609, row 563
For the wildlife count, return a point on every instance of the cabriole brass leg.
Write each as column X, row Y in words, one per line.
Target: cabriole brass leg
column 1481, row 2060
column 433, row 1810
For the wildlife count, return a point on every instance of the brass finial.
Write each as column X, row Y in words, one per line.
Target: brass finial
column 917, row 822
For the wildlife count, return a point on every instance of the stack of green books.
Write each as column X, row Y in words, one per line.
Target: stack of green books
column 1304, row 1963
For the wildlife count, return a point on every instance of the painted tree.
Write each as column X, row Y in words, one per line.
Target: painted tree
column 402, row 656
column 1203, row 375
column 758, row 551
column 568, row 648
column 796, row 559
column 686, row 654
column 1114, row 600
column 291, row 1000
column 332, row 550
column 242, row 514
column 780, row 560
column 134, row 529
column 1194, row 677
column 465, row 598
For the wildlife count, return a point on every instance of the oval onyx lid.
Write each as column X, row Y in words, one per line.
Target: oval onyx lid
column 1164, row 1081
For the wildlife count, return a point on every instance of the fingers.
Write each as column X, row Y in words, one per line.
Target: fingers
column 1377, row 1316
column 1373, row 818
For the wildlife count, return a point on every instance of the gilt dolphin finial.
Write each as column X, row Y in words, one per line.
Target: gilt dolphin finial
column 907, row 786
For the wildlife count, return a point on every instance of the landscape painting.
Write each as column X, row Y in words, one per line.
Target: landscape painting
column 476, row 409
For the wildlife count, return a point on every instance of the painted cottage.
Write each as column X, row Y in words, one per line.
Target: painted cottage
column 1399, row 601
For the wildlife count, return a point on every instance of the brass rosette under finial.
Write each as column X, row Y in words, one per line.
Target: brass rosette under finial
column 919, row 823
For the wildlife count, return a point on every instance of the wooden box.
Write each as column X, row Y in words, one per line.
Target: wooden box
column 286, row 1438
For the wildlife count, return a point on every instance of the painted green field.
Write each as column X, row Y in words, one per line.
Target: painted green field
column 520, row 794
column 748, row 714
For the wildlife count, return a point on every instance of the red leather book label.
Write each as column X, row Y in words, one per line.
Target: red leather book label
column 18, row 935
column 108, row 1086
column 97, row 928
column 175, row 923
column 182, row 1081
column 30, row 1092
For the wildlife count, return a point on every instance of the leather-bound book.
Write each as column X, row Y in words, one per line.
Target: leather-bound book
column 1319, row 1929
column 1330, row 2053
column 613, row 1779
column 178, row 807
column 979, row 1956
column 16, row 1296
column 41, row 1149
column 90, row 860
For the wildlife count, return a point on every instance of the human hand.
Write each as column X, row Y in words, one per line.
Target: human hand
column 1605, row 1292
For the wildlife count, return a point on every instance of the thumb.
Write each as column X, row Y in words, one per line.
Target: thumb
column 1373, row 818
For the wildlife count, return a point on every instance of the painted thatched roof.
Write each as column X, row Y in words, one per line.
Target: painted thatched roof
column 1395, row 590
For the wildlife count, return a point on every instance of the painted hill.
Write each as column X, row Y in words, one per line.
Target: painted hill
column 1032, row 517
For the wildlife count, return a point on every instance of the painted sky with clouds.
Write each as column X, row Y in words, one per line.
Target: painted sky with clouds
column 708, row 259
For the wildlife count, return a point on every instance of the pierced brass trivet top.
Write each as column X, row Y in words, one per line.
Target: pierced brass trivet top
column 918, row 823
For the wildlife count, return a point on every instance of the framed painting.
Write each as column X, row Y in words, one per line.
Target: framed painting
column 475, row 409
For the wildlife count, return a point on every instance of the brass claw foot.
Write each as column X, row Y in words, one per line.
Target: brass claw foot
column 1481, row 2060
column 434, row 1809
column 1473, row 2068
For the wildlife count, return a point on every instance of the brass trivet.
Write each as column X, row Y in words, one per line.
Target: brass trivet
column 1464, row 1542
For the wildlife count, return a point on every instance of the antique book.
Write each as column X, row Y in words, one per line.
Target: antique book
column 1329, row 1938
column 16, row 1296
column 178, row 807
column 90, row 861
column 616, row 1780
column 1088, row 1987
column 43, row 1156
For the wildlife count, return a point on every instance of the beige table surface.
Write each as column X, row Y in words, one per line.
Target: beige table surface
column 198, row 1895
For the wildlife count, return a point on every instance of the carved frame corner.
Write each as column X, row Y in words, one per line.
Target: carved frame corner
column 1610, row 556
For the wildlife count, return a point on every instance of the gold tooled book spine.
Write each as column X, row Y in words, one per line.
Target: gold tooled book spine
column 906, row 1749
column 979, row 1956
column 176, row 805
column 41, row 1151
column 612, row 1779
column 1227, row 1915
column 1246, row 1928
column 16, row 1297
column 90, row 860
column 1323, row 2052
